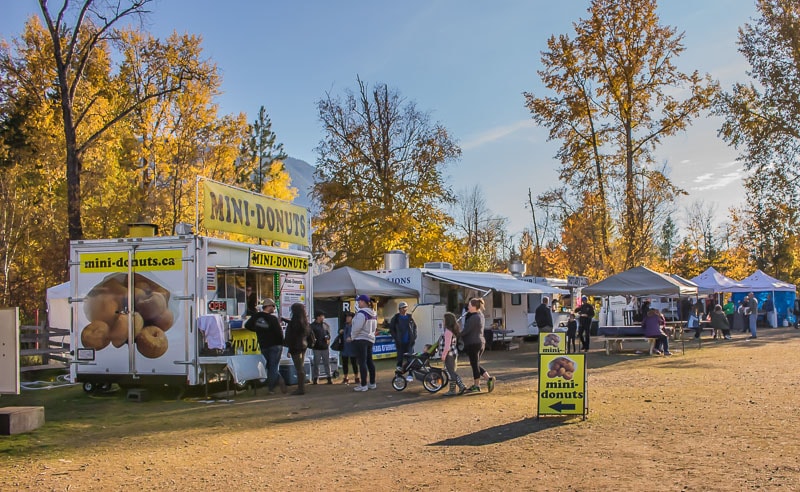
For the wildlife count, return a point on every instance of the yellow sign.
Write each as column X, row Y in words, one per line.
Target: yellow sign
column 562, row 384
column 245, row 340
column 147, row 260
column 234, row 210
column 275, row 261
column 552, row 343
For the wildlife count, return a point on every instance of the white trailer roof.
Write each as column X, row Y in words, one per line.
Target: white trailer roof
column 486, row 281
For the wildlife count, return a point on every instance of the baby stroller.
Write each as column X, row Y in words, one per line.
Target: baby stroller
column 419, row 367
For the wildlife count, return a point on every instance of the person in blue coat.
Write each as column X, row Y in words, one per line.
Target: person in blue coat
column 348, row 352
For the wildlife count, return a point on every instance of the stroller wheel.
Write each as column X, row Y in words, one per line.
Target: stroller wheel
column 434, row 381
column 399, row 382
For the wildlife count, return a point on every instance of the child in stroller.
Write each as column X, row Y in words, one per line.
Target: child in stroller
column 418, row 366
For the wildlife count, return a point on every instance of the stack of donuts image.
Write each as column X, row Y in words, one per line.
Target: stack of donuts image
column 107, row 310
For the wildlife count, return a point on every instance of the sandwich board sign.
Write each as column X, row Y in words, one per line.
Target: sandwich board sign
column 562, row 385
column 9, row 351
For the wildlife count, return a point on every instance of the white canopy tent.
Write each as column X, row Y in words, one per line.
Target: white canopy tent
column 717, row 282
column 691, row 283
column 761, row 282
column 58, row 310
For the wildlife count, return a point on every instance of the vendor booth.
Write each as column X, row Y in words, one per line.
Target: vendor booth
column 335, row 292
column 638, row 281
column 441, row 289
column 763, row 285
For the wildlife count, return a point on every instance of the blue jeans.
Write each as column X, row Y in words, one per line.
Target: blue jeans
column 365, row 363
column 753, row 319
column 403, row 348
column 273, row 356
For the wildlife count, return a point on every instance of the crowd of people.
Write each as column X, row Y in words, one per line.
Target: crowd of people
column 357, row 336
column 464, row 335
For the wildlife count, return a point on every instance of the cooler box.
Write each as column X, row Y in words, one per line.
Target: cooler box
column 289, row 374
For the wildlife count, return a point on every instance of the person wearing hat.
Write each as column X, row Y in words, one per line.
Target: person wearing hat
column 404, row 332
column 322, row 334
column 585, row 314
column 365, row 324
column 348, row 352
column 270, row 340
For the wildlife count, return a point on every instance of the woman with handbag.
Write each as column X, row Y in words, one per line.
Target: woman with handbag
column 347, row 354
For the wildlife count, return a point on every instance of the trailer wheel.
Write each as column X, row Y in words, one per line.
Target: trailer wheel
column 89, row 387
column 434, row 381
column 399, row 383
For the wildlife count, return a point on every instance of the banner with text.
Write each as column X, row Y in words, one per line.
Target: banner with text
column 233, row 210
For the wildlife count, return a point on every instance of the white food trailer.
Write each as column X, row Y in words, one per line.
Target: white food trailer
column 442, row 289
column 169, row 310
column 136, row 303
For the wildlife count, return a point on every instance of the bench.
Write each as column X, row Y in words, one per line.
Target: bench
column 614, row 343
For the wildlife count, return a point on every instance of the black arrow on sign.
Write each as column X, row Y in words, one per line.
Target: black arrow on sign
column 558, row 407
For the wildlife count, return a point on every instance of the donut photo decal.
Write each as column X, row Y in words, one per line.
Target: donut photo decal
column 107, row 310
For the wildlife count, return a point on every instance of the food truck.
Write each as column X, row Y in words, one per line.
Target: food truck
column 442, row 289
column 168, row 310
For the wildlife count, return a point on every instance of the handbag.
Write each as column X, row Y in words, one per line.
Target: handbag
column 338, row 343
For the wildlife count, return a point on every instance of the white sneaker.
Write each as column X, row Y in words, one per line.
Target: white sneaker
column 372, row 386
column 360, row 388
column 409, row 378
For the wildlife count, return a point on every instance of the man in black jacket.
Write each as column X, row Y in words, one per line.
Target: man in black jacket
column 544, row 316
column 585, row 314
column 270, row 339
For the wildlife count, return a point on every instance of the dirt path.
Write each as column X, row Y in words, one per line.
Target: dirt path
column 719, row 418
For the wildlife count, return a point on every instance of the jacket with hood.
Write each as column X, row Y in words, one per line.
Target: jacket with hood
column 365, row 324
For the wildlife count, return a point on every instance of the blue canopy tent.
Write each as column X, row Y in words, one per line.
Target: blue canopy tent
column 762, row 285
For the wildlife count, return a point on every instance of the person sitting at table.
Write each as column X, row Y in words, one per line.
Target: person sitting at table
column 654, row 325
column 719, row 321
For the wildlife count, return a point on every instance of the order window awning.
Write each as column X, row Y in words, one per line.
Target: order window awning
column 487, row 281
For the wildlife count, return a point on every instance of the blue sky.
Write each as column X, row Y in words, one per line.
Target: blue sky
column 466, row 62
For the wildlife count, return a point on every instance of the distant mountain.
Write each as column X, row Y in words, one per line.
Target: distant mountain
column 302, row 174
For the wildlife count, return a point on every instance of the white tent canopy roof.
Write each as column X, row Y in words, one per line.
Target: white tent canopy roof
column 349, row 282
column 639, row 281
column 692, row 284
column 761, row 282
column 712, row 279
column 486, row 281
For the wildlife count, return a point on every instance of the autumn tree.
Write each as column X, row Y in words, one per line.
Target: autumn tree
column 379, row 179
column 762, row 120
column 616, row 97
column 76, row 35
column 482, row 230
column 261, row 158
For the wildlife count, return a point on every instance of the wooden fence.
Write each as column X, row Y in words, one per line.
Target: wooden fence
column 51, row 344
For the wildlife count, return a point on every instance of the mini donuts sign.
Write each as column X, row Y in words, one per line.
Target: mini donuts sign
column 562, row 384
column 230, row 209
column 552, row 343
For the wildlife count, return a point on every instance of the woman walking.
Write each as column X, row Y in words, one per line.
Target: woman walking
column 450, row 354
column 475, row 343
column 298, row 338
